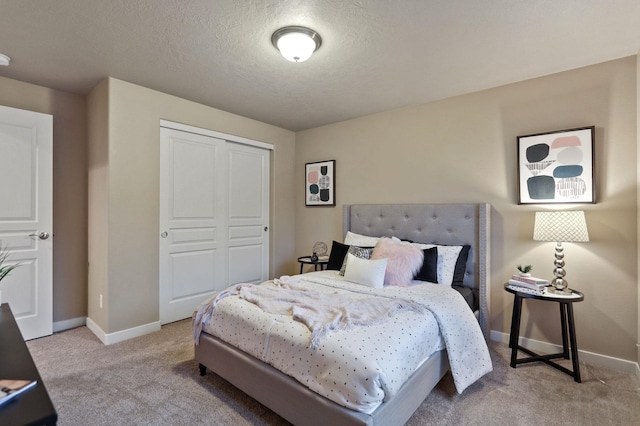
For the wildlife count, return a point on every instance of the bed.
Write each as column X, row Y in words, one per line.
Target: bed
column 442, row 224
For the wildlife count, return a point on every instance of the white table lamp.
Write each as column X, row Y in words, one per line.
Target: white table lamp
column 560, row 226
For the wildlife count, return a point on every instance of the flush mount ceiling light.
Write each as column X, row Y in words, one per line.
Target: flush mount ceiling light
column 4, row 60
column 296, row 44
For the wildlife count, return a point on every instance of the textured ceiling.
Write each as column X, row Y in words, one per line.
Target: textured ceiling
column 376, row 55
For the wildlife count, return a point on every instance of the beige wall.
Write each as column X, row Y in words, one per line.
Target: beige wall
column 98, row 200
column 132, row 195
column 463, row 149
column 638, row 186
column 69, row 189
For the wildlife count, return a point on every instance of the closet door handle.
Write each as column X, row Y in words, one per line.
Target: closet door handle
column 165, row 234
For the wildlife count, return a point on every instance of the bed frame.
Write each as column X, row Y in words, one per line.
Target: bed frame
column 452, row 224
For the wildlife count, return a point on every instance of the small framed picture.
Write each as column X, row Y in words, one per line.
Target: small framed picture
column 320, row 183
column 557, row 167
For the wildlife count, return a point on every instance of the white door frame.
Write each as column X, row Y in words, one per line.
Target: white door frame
column 206, row 132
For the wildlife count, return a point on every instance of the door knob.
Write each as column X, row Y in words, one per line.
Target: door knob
column 42, row 235
column 164, row 234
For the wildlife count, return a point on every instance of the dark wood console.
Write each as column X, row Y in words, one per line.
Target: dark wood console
column 33, row 407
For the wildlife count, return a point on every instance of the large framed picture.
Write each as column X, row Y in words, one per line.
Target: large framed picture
column 320, row 183
column 557, row 167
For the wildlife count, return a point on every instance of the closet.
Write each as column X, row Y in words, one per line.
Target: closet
column 214, row 215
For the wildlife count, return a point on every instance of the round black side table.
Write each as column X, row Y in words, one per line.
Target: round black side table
column 306, row 260
column 569, row 345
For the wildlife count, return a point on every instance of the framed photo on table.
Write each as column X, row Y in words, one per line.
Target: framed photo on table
column 557, row 167
column 320, row 183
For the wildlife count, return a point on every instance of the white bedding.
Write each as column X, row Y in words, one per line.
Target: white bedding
column 362, row 366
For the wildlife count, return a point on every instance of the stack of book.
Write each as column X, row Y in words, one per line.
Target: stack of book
column 532, row 283
column 12, row 388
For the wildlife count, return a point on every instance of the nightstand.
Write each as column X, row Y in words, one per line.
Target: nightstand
column 306, row 260
column 567, row 324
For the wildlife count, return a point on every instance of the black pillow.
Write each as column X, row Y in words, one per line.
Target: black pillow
column 461, row 265
column 429, row 269
column 336, row 257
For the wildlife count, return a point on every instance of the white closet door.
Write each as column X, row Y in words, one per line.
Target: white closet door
column 26, row 217
column 214, row 218
column 248, row 213
column 193, row 232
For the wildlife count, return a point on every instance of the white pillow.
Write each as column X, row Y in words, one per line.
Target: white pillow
column 365, row 272
column 353, row 239
column 447, row 259
column 362, row 253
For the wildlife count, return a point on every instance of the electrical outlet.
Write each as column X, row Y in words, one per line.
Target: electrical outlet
column 101, row 301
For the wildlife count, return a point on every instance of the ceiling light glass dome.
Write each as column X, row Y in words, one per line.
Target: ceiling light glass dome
column 296, row 44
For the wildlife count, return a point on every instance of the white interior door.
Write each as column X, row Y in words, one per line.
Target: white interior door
column 193, row 240
column 26, row 217
column 248, row 213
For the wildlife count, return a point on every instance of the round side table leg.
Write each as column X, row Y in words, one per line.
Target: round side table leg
column 574, row 344
column 563, row 325
column 515, row 329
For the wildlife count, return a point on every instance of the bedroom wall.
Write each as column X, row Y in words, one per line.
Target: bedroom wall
column 98, row 200
column 132, row 194
column 69, row 192
column 463, row 149
column 638, row 201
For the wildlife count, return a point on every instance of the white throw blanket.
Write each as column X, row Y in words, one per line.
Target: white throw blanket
column 320, row 312
column 468, row 352
column 377, row 359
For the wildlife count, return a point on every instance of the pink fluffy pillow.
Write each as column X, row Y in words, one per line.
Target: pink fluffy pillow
column 404, row 261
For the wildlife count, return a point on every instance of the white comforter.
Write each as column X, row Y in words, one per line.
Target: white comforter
column 358, row 367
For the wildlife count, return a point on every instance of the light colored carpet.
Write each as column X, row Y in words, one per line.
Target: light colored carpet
column 154, row 380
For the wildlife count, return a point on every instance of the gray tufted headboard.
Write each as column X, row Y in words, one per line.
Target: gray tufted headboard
column 448, row 224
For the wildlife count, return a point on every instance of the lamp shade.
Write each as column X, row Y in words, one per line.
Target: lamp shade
column 561, row 226
column 296, row 44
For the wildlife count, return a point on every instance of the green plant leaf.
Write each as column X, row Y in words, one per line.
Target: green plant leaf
column 4, row 256
column 525, row 269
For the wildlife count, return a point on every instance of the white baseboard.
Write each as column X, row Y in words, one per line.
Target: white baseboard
column 119, row 336
column 599, row 360
column 69, row 324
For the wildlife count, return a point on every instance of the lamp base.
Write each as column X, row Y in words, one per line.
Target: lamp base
column 559, row 284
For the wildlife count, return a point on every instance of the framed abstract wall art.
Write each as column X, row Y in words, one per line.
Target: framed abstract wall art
column 320, row 183
column 557, row 167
